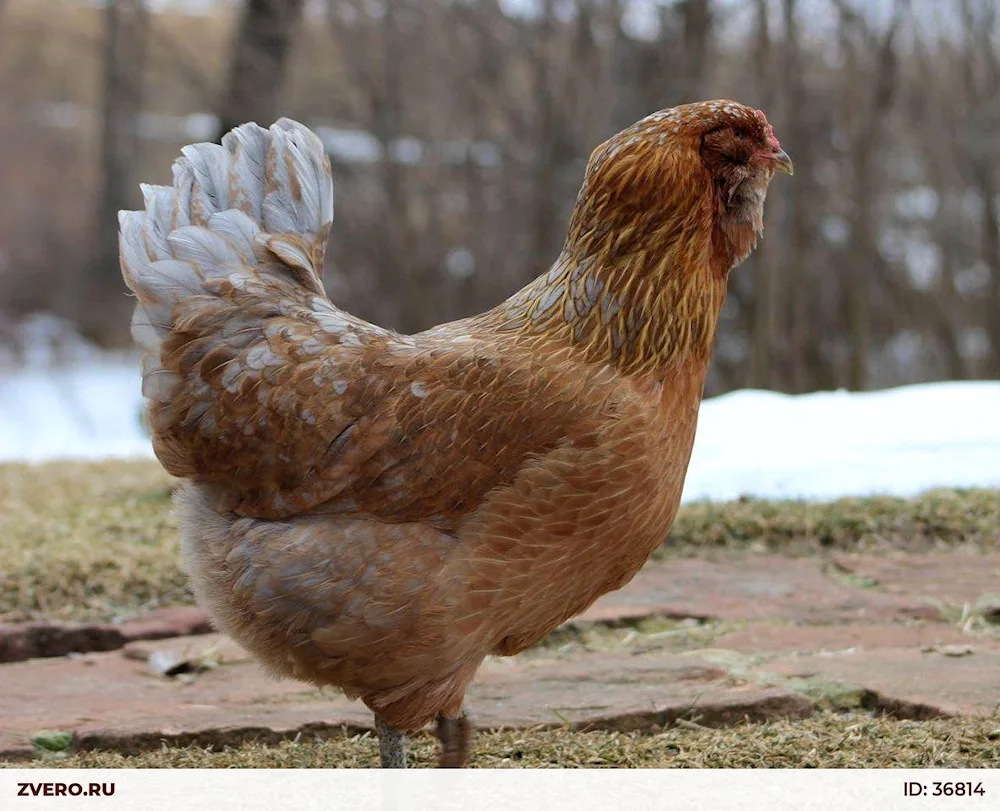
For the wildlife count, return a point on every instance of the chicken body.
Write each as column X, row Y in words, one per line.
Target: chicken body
column 402, row 613
column 379, row 511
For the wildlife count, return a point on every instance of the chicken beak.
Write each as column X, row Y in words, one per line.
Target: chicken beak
column 782, row 162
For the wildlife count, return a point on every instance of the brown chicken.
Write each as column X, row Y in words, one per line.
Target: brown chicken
column 379, row 511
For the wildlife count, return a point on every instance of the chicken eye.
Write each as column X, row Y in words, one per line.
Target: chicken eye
column 730, row 145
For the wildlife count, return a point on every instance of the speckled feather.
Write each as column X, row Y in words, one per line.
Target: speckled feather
column 381, row 511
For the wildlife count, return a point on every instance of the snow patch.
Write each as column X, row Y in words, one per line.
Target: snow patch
column 831, row 444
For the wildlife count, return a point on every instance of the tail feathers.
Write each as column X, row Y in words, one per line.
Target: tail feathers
column 262, row 198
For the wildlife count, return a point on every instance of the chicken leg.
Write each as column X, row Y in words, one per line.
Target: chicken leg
column 391, row 745
column 455, row 735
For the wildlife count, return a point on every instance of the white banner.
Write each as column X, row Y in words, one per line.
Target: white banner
column 489, row 790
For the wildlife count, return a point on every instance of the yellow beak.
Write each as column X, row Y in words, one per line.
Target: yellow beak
column 782, row 162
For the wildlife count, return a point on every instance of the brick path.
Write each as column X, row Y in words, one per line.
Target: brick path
column 713, row 642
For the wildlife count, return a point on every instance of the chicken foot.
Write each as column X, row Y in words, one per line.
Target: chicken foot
column 391, row 745
column 455, row 735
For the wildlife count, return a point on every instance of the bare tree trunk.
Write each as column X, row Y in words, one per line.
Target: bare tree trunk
column 802, row 372
column 696, row 16
column 763, row 327
column 869, row 111
column 126, row 24
column 982, row 158
column 397, row 252
column 948, row 331
column 941, row 309
column 543, row 220
column 991, row 254
column 259, row 62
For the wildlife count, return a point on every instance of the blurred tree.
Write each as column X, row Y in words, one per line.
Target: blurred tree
column 981, row 79
column 802, row 363
column 697, row 26
column 763, row 326
column 259, row 62
column 126, row 25
column 864, row 112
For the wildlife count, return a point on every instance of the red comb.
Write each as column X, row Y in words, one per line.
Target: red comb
column 771, row 137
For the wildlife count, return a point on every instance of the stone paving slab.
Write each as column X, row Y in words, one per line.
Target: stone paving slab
column 789, row 638
column 916, row 670
column 29, row 640
column 117, row 699
column 950, row 680
column 754, row 588
column 875, row 623
column 954, row 577
column 759, row 587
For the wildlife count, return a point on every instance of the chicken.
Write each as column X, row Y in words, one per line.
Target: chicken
column 379, row 511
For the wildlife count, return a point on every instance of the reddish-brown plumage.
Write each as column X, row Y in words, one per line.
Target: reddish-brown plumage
column 381, row 512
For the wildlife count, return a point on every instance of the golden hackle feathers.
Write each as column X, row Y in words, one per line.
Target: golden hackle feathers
column 642, row 276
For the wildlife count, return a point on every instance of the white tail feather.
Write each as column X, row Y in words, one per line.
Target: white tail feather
column 262, row 196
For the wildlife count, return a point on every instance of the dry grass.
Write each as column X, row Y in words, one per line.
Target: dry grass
column 86, row 540
column 94, row 540
column 827, row 740
column 936, row 519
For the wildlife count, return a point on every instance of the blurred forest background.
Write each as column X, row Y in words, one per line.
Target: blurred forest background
column 459, row 130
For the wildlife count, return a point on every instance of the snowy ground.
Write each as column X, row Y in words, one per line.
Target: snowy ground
column 85, row 404
column 900, row 441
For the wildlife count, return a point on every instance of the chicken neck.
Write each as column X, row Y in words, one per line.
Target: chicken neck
column 645, row 312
